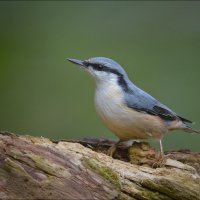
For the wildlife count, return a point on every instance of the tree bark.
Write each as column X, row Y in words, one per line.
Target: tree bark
column 38, row 168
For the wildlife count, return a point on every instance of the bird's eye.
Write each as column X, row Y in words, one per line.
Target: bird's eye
column 99, row 67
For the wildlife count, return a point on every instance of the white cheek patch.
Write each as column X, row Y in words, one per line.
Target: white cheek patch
column 103, row 76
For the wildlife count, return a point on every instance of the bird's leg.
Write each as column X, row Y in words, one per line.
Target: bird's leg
column 160, row 160
column 163, row 156
column 161, row 148
column 112, row 149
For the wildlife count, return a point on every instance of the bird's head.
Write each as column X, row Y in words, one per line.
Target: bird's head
column 102, row 69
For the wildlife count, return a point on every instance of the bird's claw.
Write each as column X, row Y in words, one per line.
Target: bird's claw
column 160, row 160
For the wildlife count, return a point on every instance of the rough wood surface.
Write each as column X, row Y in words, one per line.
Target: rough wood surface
column 37, row 168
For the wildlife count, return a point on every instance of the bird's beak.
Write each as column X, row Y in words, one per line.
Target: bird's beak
column 77, row 62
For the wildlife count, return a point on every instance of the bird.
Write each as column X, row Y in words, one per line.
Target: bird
column 125, row 109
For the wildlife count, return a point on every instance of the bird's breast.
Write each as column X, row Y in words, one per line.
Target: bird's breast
column 108, row 102
column 125, row 122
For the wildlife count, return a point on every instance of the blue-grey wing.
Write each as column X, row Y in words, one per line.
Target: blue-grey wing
column 143, row 102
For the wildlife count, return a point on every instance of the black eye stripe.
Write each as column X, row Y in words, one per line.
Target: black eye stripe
column 104, row 68
column 98, row 67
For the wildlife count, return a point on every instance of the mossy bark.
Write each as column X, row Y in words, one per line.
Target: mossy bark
column 37, row 168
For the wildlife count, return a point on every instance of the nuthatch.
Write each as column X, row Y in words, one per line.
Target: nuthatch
column 126, row 110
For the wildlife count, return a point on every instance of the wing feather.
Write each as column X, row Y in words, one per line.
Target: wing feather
column 143, row 102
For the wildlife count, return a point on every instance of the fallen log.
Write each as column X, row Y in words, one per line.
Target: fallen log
column 38, row 168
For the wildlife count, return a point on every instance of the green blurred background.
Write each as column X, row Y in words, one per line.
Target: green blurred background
column 158, row 43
